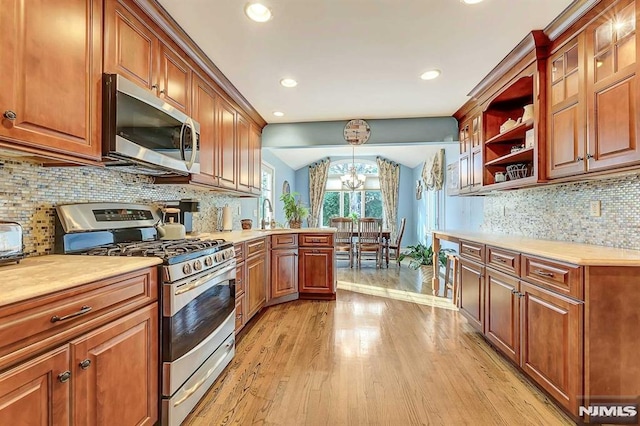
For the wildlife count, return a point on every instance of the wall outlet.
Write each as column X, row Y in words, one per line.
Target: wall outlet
column 504, row 211
column 239, row 210
column 595, row 209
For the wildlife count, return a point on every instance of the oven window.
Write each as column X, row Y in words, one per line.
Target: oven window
column 197, row 320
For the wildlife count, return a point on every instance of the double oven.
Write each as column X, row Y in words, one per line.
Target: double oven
column 197, row 300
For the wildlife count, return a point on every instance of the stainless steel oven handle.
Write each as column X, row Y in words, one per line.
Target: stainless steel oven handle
column 193, row 389
column 182, row 141
column 203, row 280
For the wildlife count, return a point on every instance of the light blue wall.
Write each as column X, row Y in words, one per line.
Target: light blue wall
column 282, row 172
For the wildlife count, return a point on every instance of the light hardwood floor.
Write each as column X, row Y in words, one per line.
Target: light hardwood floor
column 366, row 360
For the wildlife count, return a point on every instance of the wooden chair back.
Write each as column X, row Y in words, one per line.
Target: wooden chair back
column 398, row 241
column 344, row 234
column 369, row 231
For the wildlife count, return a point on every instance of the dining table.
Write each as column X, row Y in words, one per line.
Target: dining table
column 386, row 239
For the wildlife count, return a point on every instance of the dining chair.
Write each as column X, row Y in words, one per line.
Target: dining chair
column 344, row 237
column 370, row 239
column 395, row 246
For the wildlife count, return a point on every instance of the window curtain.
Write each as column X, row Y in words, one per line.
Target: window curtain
column 433, row 171
column 389, row 175
column 318, row 173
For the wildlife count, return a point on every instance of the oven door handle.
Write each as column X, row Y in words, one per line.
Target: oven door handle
column 203, row 280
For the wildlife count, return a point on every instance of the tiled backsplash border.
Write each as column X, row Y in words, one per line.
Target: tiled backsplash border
column 29, row 192
column 562, row 212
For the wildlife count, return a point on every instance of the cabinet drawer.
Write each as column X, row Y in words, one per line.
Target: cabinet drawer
column 284, row 241
column 504, row 260
column 239, row 249
column 561, row 277
column 240, row 282
column 256, row 246
column 471, row 250
column 316, row 240
column 37, row 319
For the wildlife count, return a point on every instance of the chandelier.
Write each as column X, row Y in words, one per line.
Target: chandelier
column 353, row 180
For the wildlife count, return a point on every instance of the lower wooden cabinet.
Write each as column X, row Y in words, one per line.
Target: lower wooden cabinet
column 114, row 372
column 502, row 313
column 472, row 292
column 316, row 271
column 37, row 392
column 256, row 289
column 284, row 272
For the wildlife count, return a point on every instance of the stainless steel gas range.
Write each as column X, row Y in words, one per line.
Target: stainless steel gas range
column 197, row 301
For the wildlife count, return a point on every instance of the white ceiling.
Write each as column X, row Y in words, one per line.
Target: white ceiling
column 409, row 155
column 359, row 58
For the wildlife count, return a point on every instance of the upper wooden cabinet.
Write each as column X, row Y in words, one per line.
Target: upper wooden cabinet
column 470, row 161
column 51, row 65
column 255, row 155
column 244, row 154
column 612, row 89
column 133, row 50
column 227, row 144
column 204, row 111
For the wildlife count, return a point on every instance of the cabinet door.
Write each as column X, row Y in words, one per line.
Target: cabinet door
column 502, row 314
column 244, row 154
column 567, row 120
column 32, row 393
column 255, row 173
column 226, row 130
column 130, row 47
column 284, row 272
column 316, row 270
column 51, row 67
column 612, row 89
column 551, row 343
column 256, row 290
column 472, row 293
column 476, row 168
column 463, row 172
column 115, row 371
column 240, row 313
column 204, row 112
column 175, row 79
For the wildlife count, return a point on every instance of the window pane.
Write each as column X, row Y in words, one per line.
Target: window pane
column 373, row 204
column 353, row 203
column 557, row 69
column 604, row 65
column 625, row 22
column 604, row 36
column 330, row 207
column 627, row 52
column 346, row 198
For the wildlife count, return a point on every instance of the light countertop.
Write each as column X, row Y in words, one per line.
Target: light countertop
column 250, row 234
column 40, row 275
column 576, row 253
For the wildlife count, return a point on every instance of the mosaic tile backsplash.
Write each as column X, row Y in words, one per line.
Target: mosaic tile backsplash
column 562, row 212
column 29, row 192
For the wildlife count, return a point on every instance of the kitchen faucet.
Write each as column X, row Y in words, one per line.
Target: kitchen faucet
column 263, row 224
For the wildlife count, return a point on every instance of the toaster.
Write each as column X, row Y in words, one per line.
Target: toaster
column 11, row 248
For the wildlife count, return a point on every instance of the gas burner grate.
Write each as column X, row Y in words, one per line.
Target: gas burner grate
column 160, row 248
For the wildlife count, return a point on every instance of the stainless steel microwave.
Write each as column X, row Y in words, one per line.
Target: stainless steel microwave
column 144, row 133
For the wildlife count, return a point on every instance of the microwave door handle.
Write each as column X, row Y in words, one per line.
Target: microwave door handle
column 194, row 143
column 182, row 141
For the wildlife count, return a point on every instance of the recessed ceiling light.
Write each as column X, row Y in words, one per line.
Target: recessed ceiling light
column 430, row 75
column 470, row 1
column 288, row 82
column 257, row 12
column 278, row 113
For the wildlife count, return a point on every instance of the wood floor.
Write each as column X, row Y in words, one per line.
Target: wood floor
column 366, row 360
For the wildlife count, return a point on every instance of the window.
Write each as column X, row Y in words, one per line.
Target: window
column 268, row 177
column 339, row 202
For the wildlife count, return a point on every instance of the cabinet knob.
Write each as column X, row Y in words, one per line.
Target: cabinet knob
column 154, row 86
column 10, row 115
column 589, row 156
column 85, row 364
column 579, row 159
column 64, row 377
column 162, row 91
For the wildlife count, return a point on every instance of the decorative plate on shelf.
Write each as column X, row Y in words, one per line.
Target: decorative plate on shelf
column 285, row 187
column 357, row 132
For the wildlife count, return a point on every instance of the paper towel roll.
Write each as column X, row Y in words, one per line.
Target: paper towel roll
column 227, row 219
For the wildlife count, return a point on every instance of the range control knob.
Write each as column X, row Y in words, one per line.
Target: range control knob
column 227, row 254
column 208, row 261
column 218, row 257
column 186, row 268
column 197, row 265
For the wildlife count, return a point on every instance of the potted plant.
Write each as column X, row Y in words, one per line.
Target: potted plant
column 294, row 211
column 422, row 258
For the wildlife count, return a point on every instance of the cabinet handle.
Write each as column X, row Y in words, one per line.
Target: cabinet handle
column 520, row 295
column 239, row 316
column 64, row 377
column 154, row 86
column 499, row 259
column 162, row 91
column 10, row 115
column 82, row 311
column 543, row 273
column 589, row 156
column 579, row 159
column 514, row 291
column 85, row 364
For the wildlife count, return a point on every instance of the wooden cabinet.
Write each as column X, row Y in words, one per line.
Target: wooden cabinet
column 470, row 160
column 284, row 268
column 502, row 313
column 132, row 49
column 612, row 89
column 228, row 153
column 551, row 343
column 566, row 141
column 244, row 180
column 241, row 312
column 204, row 112
column 472, row 293
column 37, row 392
column 464, row 167
column 115, row 370
column 256, row 277
column 255, row 151
column 51, row 68
column 316, row 266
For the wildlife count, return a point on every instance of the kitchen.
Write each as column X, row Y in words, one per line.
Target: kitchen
column 30, row 191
